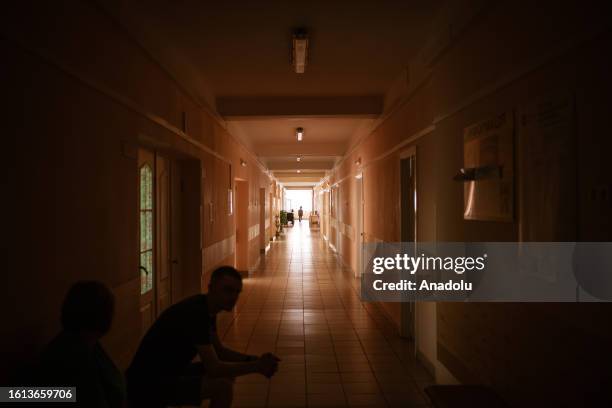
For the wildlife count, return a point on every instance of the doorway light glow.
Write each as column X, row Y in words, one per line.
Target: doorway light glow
column 299, row 198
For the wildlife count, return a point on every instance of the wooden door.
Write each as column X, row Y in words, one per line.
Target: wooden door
column 154, row 235
column 163, row 279
column 146, row 236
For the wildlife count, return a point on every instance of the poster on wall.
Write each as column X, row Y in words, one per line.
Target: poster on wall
column 488, row 169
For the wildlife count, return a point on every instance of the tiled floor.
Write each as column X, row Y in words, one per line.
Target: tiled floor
column 336, row 351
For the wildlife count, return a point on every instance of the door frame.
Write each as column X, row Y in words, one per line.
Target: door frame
column 408, row 313
column 241, row 209
column 334, row 213
column 339, row 239
column 262, row 220
column 359, row 199
column 272, row 227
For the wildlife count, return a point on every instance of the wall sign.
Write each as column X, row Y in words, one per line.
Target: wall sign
column 488, row 169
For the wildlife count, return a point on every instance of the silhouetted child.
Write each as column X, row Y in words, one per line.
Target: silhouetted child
column 75, row 358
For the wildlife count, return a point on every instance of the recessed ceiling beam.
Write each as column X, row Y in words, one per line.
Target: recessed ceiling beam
column 279, row 174
column 299, row 187
column 245, row 108
column 299, row 179
column 285, row 165
column 292, row 149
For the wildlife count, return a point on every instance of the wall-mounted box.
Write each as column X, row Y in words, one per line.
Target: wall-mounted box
column 488, row 169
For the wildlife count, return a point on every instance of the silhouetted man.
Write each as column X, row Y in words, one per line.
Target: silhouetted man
column 162, row 372
column 300, row 213
column 75, row 358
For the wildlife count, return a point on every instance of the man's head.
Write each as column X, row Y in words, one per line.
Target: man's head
column 224, row 288
column 88, row 307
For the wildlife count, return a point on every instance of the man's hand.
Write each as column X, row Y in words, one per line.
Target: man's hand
column 268, row 364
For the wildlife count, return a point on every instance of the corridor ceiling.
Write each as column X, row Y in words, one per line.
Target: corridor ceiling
column 235, row 57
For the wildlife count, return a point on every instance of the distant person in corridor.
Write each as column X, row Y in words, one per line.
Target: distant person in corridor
column 162, row 372
column 300, row 213
column 75, row 357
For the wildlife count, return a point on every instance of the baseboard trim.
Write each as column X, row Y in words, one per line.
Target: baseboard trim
column 265, row 249
column 427, row 363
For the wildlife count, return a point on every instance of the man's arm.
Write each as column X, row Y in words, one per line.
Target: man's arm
column 218, row 368
column 225, row 354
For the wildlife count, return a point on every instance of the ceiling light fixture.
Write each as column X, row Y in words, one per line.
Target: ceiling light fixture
column 243, row 163
column 299, row 132
column 299, row 171
column 299, row 50
column 298, row 158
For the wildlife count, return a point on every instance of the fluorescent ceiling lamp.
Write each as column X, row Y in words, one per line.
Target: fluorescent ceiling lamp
column 299, row 132
column 299, row 51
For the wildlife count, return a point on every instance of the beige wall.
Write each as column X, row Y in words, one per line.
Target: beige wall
column 85, row 97
column 536, row 52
